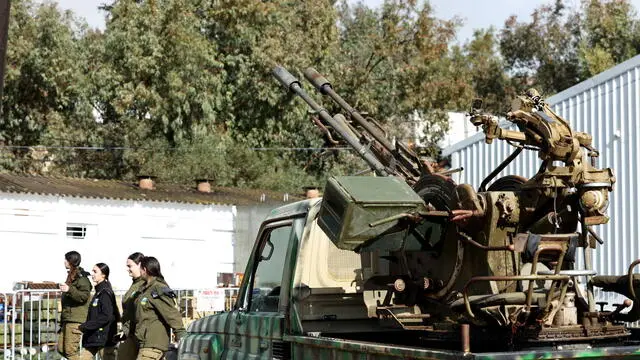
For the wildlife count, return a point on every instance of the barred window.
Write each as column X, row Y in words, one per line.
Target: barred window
column 76, row 231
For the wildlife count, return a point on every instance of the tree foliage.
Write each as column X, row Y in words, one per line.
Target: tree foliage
column 44, row 84
column 486, row 71
column 543, row 52
column 611, row 34
column 182, row 89
column 561, row 46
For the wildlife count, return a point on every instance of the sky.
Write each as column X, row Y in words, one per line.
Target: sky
column 476, row 14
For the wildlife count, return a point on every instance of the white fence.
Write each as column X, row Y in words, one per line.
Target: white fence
column 30, row 318
column 29, row 323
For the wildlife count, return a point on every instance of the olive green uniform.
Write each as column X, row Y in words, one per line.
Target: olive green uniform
column 75, row 306
column 155, row 306
column 128, row 349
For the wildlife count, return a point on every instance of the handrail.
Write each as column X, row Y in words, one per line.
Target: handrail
column 467, row 303
column 632, row 291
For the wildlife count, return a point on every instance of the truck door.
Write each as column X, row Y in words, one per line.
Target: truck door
column 255, row 327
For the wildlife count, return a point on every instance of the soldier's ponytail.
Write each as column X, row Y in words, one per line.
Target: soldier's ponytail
column 73, row 258
column 152, row 266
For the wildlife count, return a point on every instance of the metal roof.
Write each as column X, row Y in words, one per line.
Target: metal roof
column 592, row 82
column 122, row 190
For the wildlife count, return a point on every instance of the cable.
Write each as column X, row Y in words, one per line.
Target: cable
column 117, row 148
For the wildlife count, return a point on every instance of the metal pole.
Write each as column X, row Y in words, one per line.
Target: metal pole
column 5, row 319
column 588, row 265
column 466, row 339
column 324, row 87
column 5, row 5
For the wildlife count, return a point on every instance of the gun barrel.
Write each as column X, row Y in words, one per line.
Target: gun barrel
column 317, row 80
column 324, row 87
column 338, row 123
column 407, row 163
column 285, row 77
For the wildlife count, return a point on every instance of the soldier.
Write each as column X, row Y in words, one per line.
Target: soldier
column 156, row 313
column 128, row 349
column 76, row 292
column 99, row 330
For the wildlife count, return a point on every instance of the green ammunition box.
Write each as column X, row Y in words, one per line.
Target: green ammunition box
column 351, row 204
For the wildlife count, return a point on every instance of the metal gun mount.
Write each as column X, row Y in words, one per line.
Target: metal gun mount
column 502, row 258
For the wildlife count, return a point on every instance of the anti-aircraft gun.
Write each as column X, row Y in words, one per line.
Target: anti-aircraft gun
column 499, row 262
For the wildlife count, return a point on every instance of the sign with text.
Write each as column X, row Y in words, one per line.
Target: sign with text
column 210, row 300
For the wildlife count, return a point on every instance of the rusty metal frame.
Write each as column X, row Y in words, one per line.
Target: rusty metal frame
column 548, row 243
column 469, row 240
column 632, row 291
column 467, row 303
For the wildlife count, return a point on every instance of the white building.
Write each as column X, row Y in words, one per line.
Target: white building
column 190, row 232
column 459, row 129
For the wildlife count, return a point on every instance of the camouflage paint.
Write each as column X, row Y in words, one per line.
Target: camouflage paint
column 232, row 335
column 609, row 352
column 241, row 335
column 205, row 338
column 319, row 348
column 251, row 335
column 304, row 347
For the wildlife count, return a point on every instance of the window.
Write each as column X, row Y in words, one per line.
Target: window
column 76, row 231
column 265, row 295
column 321, row 264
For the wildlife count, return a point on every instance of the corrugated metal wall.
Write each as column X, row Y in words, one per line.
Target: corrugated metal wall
column 608, row 107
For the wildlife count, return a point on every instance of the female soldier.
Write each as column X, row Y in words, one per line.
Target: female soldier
column 76, row 292
column 156, row 312
column 128, row 349
column 102, row 322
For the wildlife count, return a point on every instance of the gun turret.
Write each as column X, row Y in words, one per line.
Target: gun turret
column 384, row 157
column 503, row 257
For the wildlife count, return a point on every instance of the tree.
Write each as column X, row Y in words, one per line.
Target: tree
column 486, row 71
column 44, row 99
column 612, row 34
column 543, row 53
column 253, row 37
column 156, row 81
column 397, row 60
column 174, row 75
column 163, row 76
column 560, row 46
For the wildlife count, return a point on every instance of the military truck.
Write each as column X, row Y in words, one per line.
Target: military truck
column 408, row 264
column 304, row 298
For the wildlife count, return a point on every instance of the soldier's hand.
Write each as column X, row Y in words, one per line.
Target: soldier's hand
column 119, row 337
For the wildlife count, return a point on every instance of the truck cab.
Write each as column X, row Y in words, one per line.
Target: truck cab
column 297, row 281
